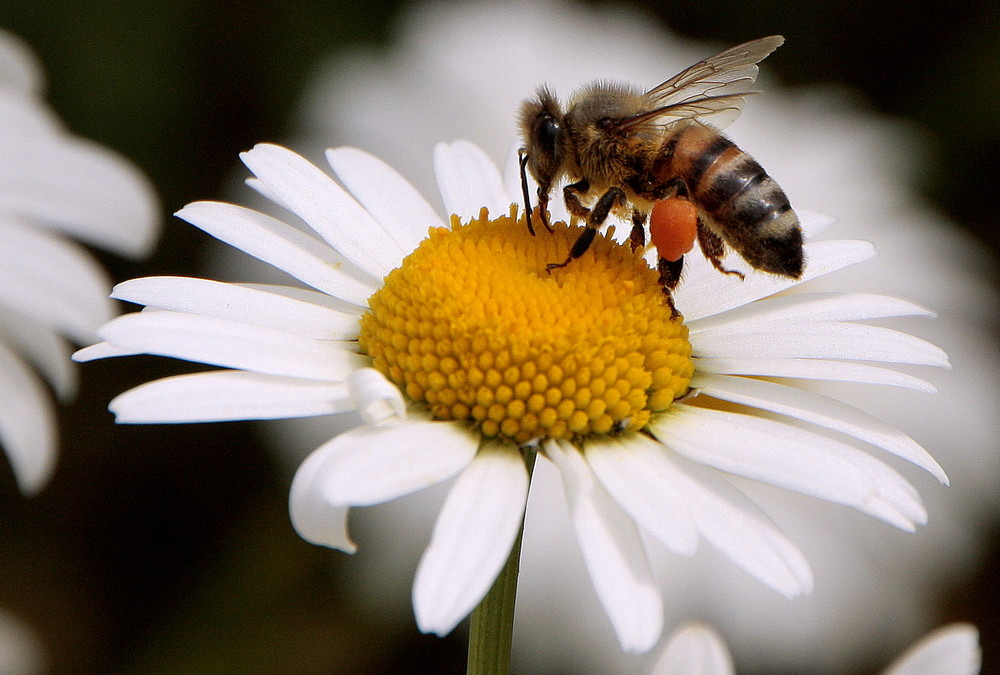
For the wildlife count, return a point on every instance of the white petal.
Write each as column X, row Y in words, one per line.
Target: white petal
column 472, row 538
column 817, row 340
column 44, row 348
column 374, row 397
column 694, row 649
column 791, row 458
column 27, row 424
column 242, row 303
column 469, row 180
column 219, row 396
column 102, row 350
column 27, row 122
column 952, row 650
column 813, row 369
column 403, row 212
column 812, row 307
column 53, row 280
column 511, row 175
column 740, row 530
column 310, row 296
column 325, row 207
column 613, row 552
column 372, row 464
column 817, row 409
column 231, row 344
column 315, row 519
column 641, row 487
column 715, row 293
column 276, row 243
column 813, row 223
column 20, row 71
column 81, row 188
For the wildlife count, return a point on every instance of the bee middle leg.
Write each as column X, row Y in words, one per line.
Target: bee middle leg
column 714, row 248
column 637, row 237
column 595, row 218
column 571, row 197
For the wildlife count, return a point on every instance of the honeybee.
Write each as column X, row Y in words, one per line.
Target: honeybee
column 624, row 151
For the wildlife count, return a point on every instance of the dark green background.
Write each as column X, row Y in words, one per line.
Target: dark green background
column 168, row 549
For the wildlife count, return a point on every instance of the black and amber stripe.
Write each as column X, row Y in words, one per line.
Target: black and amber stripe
column 740, row 201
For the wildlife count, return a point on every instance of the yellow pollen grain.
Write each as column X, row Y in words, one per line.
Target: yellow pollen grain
column 472, row 327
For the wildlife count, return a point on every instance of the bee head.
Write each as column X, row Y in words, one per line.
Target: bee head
column 541, row 130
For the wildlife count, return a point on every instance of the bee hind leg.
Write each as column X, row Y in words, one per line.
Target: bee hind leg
column 595, row 218
column 670, row 276
column 714, row 248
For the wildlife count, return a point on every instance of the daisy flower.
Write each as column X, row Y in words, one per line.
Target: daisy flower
column 459, row 352
column 830, row 153
column 696, row 649
column 54, row 187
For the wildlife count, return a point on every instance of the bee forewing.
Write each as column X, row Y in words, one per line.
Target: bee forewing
column 711, row 90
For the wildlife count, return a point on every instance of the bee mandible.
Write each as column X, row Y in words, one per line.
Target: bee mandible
column 623, row 151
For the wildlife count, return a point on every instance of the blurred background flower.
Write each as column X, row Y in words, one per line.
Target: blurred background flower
column 55, row 189
column 53, row 184
column 162, row 547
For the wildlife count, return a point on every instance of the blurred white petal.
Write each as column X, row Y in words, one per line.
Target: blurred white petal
column 952, row 650
column 44, row 348
column 53, row 184
column 52, row 280
column 694, row 649
column 20, row 71
column 27, row 424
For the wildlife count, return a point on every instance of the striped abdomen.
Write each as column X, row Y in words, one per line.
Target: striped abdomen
column 736, row 198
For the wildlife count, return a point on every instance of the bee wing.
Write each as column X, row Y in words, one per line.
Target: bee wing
column 710, row 91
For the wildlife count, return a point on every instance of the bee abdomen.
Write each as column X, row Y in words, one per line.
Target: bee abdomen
column 751, row 212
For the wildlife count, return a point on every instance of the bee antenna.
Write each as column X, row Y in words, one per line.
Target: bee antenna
column 523, row 162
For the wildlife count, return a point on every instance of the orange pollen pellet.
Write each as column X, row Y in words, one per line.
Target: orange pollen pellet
column 673, row 227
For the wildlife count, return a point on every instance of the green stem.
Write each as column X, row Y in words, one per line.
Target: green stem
column 492, row 628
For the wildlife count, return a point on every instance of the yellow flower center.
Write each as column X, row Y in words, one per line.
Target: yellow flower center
column 472, row 327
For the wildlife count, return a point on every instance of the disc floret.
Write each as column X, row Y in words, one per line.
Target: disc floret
column 473, row 328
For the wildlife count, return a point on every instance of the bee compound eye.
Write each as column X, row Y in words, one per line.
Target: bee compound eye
column 547, row 132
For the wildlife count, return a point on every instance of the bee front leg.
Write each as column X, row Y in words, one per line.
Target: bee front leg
column 595, row 219
column 714, row 248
